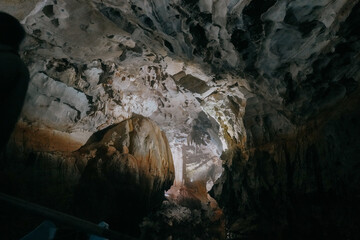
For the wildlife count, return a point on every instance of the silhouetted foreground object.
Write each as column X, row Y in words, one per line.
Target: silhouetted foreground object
column 14, row 76
column 46, row 230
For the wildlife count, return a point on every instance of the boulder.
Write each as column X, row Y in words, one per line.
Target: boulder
column 126, row 169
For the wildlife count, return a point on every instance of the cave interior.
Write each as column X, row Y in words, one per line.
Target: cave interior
column 188, row 119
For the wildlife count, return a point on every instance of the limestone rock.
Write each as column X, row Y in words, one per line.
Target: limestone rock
column 296, row 187
column 189, row 212
column 261, row 76
column 127, row 168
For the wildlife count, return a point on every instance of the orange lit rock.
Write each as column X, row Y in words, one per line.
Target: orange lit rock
column 41, row 139
column 127, row 168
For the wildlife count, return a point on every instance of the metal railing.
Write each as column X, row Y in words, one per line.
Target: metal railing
column 63, row 218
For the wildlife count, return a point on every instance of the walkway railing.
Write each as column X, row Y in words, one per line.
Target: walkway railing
column 65, row 219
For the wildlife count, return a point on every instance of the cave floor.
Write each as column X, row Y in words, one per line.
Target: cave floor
column 188, row 212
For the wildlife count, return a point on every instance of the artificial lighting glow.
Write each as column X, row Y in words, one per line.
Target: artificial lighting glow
column 178, row 163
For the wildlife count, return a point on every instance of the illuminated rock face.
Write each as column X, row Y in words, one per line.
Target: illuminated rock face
column 297, row 175
column 113, row 71
column 118, row 176
column 127, row 169
column 267, row 81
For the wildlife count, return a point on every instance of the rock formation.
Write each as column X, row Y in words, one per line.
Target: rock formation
column 301, row 186
column 295, row 178
column 128, row 167
column 118, row 176
column 270, row 87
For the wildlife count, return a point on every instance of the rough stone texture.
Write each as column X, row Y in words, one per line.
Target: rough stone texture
column 188, row 213
column 300, row 187
column 128, row 167
column 296, row 176
column 286, row 51
column 118, row 176
column 120, row 64
column 261, row 76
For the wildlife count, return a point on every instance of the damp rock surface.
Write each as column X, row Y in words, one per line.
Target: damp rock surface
column 270, row 87
column 187, row 213
column 119, row 176
column 127, row 168
column 299, row 186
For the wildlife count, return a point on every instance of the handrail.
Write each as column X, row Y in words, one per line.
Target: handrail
column 63, row 218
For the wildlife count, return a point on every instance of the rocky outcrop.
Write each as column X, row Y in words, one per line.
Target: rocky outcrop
column 188, row 213
column 268, row 80
column 175, row 61
column 118, row 176
column 301, row 186
column 296, row 175
column 127, row 169
column 130, row 58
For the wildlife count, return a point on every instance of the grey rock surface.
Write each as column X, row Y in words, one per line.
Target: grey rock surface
column 270, row 85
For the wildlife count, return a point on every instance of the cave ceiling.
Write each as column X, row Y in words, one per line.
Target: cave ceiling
column 199, row 69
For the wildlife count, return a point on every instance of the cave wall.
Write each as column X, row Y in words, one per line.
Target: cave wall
column 175, row 61
column 276, row 82
column 297, row 175
column 301, row 186
column 95, row 63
